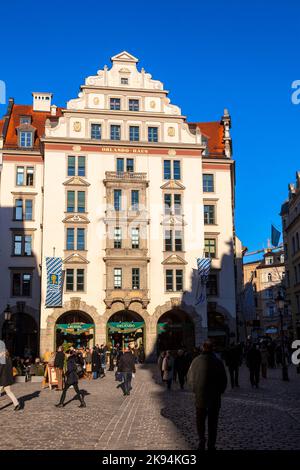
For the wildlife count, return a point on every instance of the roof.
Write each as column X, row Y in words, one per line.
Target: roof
column 215, row 132
column 38, row 119
column 1, row 126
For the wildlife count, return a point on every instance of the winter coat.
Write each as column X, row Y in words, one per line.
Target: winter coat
column 168, row 368
column 233, row 357
column 71, row 372
column 96, row 363
column 253, row 358
column 180, row 365
column 208, row 380
column 59, row 360
column 127, row 362
column 6, row 373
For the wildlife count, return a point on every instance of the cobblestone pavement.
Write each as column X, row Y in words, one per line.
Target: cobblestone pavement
column 151, row 417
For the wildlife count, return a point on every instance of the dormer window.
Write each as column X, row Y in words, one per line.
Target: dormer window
column 25, row 120
column 26, row 139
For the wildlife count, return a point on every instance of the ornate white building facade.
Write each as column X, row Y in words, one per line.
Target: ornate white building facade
column 129, row 195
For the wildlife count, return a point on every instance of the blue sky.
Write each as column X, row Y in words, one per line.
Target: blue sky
column 210, row 55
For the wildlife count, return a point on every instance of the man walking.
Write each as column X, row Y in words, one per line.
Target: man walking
column 126, row 366
column 253, row 363
column 180, row 367
column 207, row 379
column 233, row 362
column 71, row 379
column 59, row 362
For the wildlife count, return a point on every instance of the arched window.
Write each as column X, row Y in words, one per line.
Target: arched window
column 269, row 277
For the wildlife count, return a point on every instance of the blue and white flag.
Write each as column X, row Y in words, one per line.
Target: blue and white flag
column 54, row 282
column 275, row 235
column 203, row 265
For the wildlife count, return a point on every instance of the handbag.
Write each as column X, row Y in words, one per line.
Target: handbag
column 119, row 376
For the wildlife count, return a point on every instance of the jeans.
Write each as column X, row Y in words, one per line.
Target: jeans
column 234, row 376
column 10, row 394
column 64, row 393
column 254, row 375
column 126, row 385
column 212, row 415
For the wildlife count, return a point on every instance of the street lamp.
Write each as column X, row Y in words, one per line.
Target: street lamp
column 7, row 313
column 280, row 308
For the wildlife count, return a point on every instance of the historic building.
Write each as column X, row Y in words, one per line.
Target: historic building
column 266, row 278
column 290, row 214
column 128, row 194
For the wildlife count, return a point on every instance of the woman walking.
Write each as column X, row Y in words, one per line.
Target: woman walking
column 168, row 369
column 7, row 379
column 71, row 379
column 88, row 363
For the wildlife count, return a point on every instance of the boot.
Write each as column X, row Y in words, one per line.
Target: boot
column 82, row 402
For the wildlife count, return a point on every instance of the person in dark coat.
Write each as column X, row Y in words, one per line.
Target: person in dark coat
column 233, row 359
column 208, row 380
column 96, row 363
column 126, row 366
column 253, row 361
column 59, row 363
column 7, row 379
column 180, row 367
column 71, row 379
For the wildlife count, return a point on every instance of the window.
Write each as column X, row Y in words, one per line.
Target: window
column 117, row 237
column 152, row 134
column 71, row 276
column 134, row 133
column 80, row 239
column 28, row 209
column 169, row 280
column 269, row 260
column 118, row 278
column 210, row 247
column 25, row 176
column 19, row 213
column 22, row 245
column 168, row 240
column 72, row 166
column 120, row 165
column 70, row 239
column 135, row 278
column 124, row 81
column 179, row 280
column 178, row 240
column 130, row 165
column 115, row 132
column 18, row 209
column 21, row 284
column 134, row 200
column 81, row 201
column 25, row 120
column 134, row 105
column 270, row 294
column 208, row 183
column 269, row 277
column 115, row 104
column 177, row 204
column 117, row 199
column 168, row 203
column 81, row 166
column 96, row 131
column 271, row 310
column 209, row 215
column 71, row 201
column 176, row 170
column 135, row 237
column 212, row 285
column 167, row 169
column 26, row 139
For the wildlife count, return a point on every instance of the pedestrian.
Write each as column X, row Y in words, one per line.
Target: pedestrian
column 71, row 380
column 180, row 367
column 264, row 361
column 88, row 363
column 102, row 353
column 59, row 363
column 208, row 380
column 168, row 369
column 159, row 364
column 233, row 359
column 126, row 367
column 7, row 379
column 253, row 362
column 96, row 363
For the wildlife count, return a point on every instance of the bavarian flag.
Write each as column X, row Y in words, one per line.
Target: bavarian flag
column 275, row 235
column 54, row 282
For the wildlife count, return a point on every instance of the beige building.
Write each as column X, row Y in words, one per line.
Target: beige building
column 129, row 195
column 290, row 212
column 266, row 277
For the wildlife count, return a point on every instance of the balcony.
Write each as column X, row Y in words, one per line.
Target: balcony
column 125, row 176
column 126, row 297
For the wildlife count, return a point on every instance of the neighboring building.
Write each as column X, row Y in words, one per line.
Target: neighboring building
column 266, row 278
column 129, row 195
column 290, row 214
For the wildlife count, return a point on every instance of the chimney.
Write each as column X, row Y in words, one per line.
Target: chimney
column 53, row 109
column 42, row 101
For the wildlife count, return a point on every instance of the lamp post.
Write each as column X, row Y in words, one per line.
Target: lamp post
column 280, row 308
column 7, row 313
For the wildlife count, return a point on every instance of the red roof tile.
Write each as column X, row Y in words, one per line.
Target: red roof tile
column 214, row 131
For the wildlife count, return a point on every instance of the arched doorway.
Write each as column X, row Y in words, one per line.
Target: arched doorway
column 125, row 327
column 75, row 328
column 20, row 334
column 175, row 330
